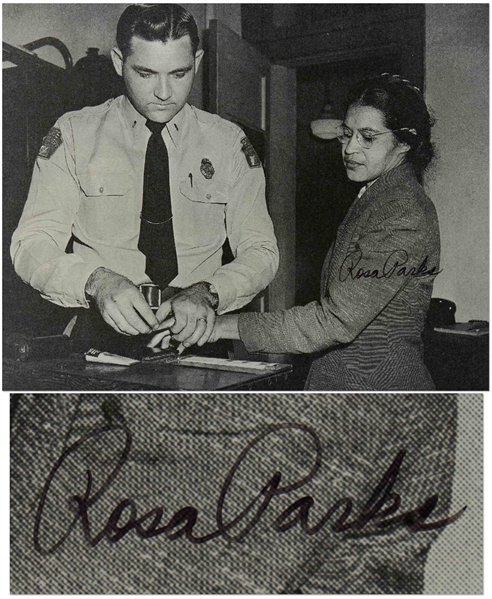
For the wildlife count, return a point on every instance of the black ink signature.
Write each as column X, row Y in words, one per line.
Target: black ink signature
column 380, row 509
column 395, row 265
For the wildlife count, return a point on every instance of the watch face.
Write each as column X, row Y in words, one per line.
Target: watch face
column 214, row 294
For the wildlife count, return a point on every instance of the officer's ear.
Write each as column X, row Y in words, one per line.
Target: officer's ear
column 117, row 58
column 198, row 59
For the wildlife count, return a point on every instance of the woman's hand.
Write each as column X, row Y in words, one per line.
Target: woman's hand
column 226, row 327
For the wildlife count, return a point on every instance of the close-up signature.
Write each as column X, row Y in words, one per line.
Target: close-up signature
column 380, row 510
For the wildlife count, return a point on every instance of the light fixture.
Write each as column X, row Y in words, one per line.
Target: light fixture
column 326, row 126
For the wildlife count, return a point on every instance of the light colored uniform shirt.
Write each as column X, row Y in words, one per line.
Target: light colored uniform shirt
column 87, row 185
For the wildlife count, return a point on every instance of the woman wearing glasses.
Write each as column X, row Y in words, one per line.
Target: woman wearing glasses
column 377, row 278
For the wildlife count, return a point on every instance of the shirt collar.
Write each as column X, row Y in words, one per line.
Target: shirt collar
column 363, row 190
column 136, row 122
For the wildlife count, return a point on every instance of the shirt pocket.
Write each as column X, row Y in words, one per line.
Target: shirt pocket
column 200, row 215
column 101, row 184
column 205, row 192
column 107, row 210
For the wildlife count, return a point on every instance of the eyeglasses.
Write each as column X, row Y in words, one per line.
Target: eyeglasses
column 364, row 138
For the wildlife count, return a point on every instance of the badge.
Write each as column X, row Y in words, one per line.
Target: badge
column 207, row 168
column 50, row 143
column 250, row 153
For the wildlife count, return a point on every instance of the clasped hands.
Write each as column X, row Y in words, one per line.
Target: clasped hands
column 192, row 322
column 187, row 317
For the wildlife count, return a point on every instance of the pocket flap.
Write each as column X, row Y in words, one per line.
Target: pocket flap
column 216, row 192
column 113, row 183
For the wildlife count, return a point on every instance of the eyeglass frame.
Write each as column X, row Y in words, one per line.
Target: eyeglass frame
column 359, row 136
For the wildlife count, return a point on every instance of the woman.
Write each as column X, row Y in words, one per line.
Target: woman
column 378, row 275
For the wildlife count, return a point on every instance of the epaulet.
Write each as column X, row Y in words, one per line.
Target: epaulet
column 87, row 111
column 231, row 132
column 208, row 118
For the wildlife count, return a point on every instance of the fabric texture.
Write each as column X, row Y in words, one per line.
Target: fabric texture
column 184, row 446
column 90, row 190
column 376, row 286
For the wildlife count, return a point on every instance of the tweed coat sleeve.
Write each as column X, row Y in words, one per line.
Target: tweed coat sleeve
column 380, row 249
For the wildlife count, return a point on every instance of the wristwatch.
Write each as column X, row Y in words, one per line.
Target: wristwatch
column 213, row 295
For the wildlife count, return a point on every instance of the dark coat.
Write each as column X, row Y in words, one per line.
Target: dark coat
column 376, row 286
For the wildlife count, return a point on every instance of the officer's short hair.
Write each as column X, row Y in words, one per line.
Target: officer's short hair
column 151, row 22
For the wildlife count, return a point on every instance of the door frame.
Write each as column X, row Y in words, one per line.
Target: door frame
column 405, row 39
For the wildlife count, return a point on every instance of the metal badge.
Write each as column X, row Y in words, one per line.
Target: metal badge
column 50, row 143
column 250, row 153
column 207, row 169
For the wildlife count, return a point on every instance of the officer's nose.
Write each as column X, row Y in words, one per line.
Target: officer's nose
column 163, row 90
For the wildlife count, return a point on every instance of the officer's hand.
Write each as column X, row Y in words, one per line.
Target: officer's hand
column 193, row 315
column 121, row 304
column 165, row 320
column 225, row 327
column 164, row 316
column 162, row 339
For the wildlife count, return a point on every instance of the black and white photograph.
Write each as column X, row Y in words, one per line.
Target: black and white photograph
column 214, row 197
column 245, row 332
column 246, row 493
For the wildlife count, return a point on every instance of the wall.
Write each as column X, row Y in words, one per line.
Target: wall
column 450, row 569
column 457, row 88
column 229, row 14
column 76, row 25
column 79, row 26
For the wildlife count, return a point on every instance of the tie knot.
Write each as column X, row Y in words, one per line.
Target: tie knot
column 155, row 127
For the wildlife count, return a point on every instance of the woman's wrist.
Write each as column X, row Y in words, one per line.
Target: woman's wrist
column 227, row 326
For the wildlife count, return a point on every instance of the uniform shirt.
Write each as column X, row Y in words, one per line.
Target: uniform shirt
column 87, row 185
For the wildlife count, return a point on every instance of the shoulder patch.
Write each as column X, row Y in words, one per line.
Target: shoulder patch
column 51, row 143
column 250, row 153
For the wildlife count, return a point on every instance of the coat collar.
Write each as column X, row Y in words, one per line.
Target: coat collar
column 404, row 173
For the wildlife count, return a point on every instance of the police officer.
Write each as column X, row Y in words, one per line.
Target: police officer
column 148, row 188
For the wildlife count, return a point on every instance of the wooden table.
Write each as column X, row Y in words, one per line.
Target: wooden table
column 75, row 374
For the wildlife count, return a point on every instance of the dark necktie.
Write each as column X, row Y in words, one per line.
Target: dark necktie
column 156, row 239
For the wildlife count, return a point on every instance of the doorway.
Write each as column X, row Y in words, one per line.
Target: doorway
column 324, row 193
